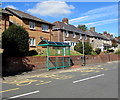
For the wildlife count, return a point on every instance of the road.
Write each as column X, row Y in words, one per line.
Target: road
column 98, row 81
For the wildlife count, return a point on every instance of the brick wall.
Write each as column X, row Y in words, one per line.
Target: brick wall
column 39, row 62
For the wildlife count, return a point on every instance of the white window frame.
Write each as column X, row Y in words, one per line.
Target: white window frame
column 80, row 36
column 32, row 41
column 45, row 28
column 74, row 35
column 32, row 25
column 85, row 37
column 66, row 34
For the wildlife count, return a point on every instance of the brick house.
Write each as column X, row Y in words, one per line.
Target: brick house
column 65, row 32
column 4, row 19
column 36, row 27
column 4, row 23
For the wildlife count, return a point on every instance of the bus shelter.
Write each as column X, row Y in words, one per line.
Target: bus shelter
column 57, row 53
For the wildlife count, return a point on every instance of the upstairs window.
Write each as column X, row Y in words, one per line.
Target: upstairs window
column 32, row 25
column 74, row 35
column 32, row 41
column 66, row 34
column 45, row 28
column 85, row 37
column 80, row 36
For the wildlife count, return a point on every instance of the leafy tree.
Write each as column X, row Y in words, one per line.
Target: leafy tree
column 98, row 50
column 15, row 41
column 82, row 27
column 114, row 43
column 87, row 48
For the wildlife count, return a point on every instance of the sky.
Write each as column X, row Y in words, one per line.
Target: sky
column 101, row 15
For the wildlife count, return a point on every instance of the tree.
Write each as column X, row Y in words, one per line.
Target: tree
column 82, row 27
column 98, row 50
column 87, row 48
column 15, row 41
column 114, row 43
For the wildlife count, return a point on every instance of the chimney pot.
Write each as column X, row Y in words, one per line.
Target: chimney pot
column 105, row 33
column 92, row 29
column 65, row 20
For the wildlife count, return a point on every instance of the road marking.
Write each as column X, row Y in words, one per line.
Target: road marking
column 9, row 90
column 23, row 94
column 43, row 83
column 88, row 78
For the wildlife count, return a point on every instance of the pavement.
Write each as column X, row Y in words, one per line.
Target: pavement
column 90, row 81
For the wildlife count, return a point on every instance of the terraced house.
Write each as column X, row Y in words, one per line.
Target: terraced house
column 65, row 32
column 36, row 27
column 98, row 40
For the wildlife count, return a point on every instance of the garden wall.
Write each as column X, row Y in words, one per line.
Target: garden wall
column 39, row 62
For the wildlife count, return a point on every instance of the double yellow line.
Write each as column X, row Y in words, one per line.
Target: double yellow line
column 9, row 90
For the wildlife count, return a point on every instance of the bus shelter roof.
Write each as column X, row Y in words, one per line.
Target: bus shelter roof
column 53, row 44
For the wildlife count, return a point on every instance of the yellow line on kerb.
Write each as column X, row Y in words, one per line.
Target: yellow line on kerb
column 9, row 90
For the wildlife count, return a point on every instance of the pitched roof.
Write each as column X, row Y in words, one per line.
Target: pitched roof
column 67, row 27
column 3, row 11
column 95, row 34
column 21, row 15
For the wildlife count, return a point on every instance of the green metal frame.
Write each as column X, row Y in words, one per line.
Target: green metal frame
column 57, row 60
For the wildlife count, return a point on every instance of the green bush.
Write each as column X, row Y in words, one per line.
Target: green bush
column 98, row 50
column 87, row 48
column 32, row 52
column 110, row 50
column 93, row 53
column 106, row 52
column 117, row 51
column 15, row 41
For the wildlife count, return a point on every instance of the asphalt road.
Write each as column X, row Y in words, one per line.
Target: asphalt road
column 95, row 81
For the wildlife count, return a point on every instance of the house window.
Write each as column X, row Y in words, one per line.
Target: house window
column 74, row 35
column 67, row 34
column 32, row 41
column 80, row 36
column 32, row 25
column 85, row 37
column 45, row 27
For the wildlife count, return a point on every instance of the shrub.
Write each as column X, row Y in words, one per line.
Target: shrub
column 93, row 53
column 110, row 50
column 15, row 41
column 32, row 52
column 106, row 52
column 98, row 50
column 39, row 51
column 87, row 48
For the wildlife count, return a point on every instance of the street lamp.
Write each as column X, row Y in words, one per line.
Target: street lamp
column 83, row 43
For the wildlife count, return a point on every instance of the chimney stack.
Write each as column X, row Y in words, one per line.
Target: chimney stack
column 111, row 35
column 108, row 34
column 100, row 33
column 105, row 33
column 92, row 29
column 65, row 20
